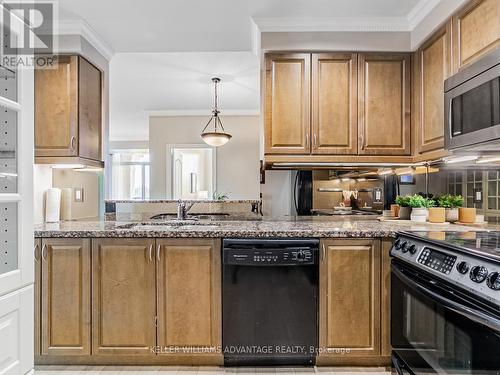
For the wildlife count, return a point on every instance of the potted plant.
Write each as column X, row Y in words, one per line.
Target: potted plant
column 450, row 203
column 419, row 206
column 404, row 207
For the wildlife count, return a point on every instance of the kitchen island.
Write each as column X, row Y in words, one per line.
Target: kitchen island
column 150, row 292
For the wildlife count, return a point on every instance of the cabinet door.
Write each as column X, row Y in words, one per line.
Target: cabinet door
column 189, row 293
column 476, row 31
column 38, row 294
column 384, row 104
column 334, row 103
column 123, row 296
column 287, row 104
column 65, row 296
column 89, row 111
column 350, row 298
column 432, row 67
column 56, row 109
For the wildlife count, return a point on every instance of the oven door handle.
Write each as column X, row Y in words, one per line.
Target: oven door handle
column 472, row 314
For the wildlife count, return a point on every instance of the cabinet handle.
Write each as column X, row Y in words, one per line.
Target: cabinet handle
column 35, row 252
column 314, row 140
column 150, row 252
column 158, row 251
column 44, row 252
column 72, row 142
column 323, row 253
column 307, row 140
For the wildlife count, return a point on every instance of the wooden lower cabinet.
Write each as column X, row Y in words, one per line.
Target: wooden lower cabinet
column 65, row 296
column 123, row 296
column 350, row 303
column 189, row 295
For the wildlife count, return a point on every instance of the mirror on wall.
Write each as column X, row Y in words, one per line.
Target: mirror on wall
column 193, row 172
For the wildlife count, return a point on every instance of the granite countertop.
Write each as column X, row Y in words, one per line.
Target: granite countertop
column 184, row 200
column 266, row 227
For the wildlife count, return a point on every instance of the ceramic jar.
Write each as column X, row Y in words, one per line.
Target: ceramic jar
column 451, row 214
column 467, row 215
column 419, row 215
column 437, row 215
column 404, row 213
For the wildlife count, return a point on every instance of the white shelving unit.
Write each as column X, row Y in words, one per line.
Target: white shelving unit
column 16, row 218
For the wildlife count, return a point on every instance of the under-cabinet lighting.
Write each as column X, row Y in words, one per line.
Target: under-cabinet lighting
column 460, row 159
column 361, row 179
column 488, row 159
column 345, row 179
column 88, row 169
column 403, row 171
column 383, row 172
column 67, row 166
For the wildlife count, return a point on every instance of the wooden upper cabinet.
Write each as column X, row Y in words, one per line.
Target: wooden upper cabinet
column 123, row 296
column 68, row 111
column 350, row 298
column 334, row 103
column 384, row 104
column 476, row 30
column 56, row 114
column 287, row 104
column 432, row 66
column 65, row 296
column 189, row 295
column 89, row 111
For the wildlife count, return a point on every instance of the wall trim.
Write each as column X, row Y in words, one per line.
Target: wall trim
column 82, row 28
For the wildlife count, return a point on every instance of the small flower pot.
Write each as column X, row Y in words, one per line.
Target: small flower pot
column 451, row 214
column 404, row 213
column 467, row 215
column 437, row 215
column 419, row 215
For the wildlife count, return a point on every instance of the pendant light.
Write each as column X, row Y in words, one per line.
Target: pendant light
column 218, row 137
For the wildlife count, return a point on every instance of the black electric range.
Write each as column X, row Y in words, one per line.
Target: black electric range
column 445, row 303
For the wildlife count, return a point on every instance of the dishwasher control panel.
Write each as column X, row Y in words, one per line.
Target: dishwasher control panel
column 271, row 257
column 263, row 253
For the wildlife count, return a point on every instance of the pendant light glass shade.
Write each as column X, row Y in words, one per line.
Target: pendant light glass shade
column 217, row 137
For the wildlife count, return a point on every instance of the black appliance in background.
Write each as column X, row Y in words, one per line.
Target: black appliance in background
column 391, row 190
column 445, row 303
column 303, row 193
column 270, row 301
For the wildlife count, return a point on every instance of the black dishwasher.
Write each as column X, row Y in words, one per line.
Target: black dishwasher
column 270, row 301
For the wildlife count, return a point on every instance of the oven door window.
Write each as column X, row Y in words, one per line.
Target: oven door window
column 430, row 337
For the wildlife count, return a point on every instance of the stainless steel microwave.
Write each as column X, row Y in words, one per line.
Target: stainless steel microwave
column 472, row 106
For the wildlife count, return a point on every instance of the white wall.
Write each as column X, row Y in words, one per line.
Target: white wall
column 237, row 161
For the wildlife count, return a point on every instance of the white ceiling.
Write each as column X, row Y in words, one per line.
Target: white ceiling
column 165, row 51
column 143, row 84
column 217, row 25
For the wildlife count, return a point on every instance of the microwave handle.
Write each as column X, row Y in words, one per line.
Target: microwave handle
column 472, row 314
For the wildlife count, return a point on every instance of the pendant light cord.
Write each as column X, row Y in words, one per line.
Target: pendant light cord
column 215, row 117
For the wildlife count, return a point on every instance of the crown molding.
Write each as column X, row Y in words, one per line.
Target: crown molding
column 202, row 112
column 420, row 11
column 82, row 28
column 332, row 24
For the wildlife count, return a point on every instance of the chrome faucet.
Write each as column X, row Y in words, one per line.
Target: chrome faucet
column 183, row 208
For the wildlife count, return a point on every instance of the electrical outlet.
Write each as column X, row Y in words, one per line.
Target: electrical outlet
column 78, row 194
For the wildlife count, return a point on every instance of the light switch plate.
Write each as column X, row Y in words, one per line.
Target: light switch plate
column 78, row 194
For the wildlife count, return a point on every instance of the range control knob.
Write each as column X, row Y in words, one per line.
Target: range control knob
column 412, row 249
column 463, row 267
column 397, row 244
column 404, row 247
column 301, row 255
column 478, row 274
column 493, row 281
